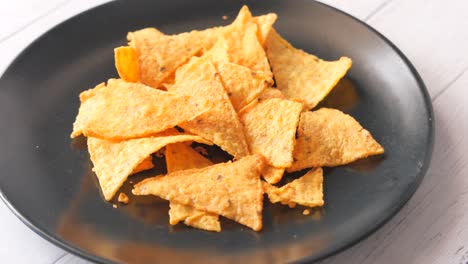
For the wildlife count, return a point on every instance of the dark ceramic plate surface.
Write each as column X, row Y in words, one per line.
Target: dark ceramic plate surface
column 46, row 180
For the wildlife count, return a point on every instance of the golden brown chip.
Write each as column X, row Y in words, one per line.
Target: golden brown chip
column 241, row 84
column 160, row 55
column 219, row 52
column 146, row 164
column 272, row 174
column 264, row 24
column 270, row 93
column 179, row 212
column 307, row 190
column 231, row 189
column 270, row 129
column 123, row 110
column 126, row 63
column 300, row 75
column 329, row 137
column 115, row 161
column 205, row 221
column 179, row 156
column 244, row 47
column 220, row 124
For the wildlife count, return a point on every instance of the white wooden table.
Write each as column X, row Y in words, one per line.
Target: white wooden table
column 431, row 228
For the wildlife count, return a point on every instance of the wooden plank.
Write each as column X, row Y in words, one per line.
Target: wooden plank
column 432, row 33
column 432, row 227
column 18, row 14
column 19, row 244
column 361, row 9
column 11, row 47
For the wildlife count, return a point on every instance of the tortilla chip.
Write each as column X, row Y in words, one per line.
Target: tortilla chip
column 270, row 129
column 146, row 164
column 115, row 161
column 300, row 75
column 123, row 110
column 241, row 84
column 307, row 190
column 231, row 189
column 205, row 221
column 264, row 24
column 181, row 157
column 160, row 55
column 126, row 63
column 219, row 52
column 245, row 49
column 329, row 137
column 220, row 124
column 270, row 93
column 272, row 174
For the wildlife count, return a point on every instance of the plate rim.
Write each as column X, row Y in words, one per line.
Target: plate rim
column 61, row 243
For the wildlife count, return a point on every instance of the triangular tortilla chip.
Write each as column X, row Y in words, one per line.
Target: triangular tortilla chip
column 179, row 156
column 300, row 75
column 205, row 221
column 115, row 161
column 244, row 48
column 241, row 84
column 219, row 52
column 270, row 129
column 329, row 137
column 264, row 24
column 272, row 174
column 123, row 110
column 160, row 55
column 126, row 63
column 146, row 164
column 307, row 190
column 231, row 189
column 220, row 124
column 270, row 93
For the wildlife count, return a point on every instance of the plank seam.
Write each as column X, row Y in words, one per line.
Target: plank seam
column 23, row 27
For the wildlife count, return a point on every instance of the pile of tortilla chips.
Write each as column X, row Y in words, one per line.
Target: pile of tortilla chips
column 241, row 87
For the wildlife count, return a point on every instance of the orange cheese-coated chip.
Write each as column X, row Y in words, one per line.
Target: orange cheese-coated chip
column 232, row 189
column 307, row 190
column 302, row 76
column 329, row 137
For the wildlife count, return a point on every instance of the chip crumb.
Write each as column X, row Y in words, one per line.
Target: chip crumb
column 114, row 205
column 225, row 17
column 306, row 212
column 123, row 198
column 292, row 204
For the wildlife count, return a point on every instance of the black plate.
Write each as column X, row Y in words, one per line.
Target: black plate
column 46, row 179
